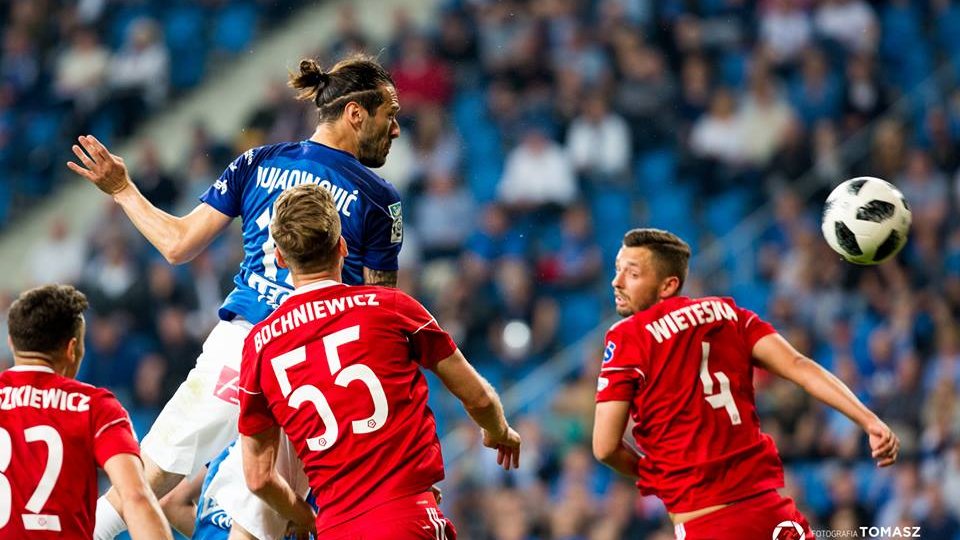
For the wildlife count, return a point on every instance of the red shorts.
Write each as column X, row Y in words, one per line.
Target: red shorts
column 409, row 518
column 767, row 515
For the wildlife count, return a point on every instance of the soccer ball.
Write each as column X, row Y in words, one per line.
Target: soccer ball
column 866, row 220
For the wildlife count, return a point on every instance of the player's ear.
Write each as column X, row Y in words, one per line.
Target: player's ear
column 669, row 287
column 342, row 248
column 354, row 113
column 71, row 351
column 281, row 262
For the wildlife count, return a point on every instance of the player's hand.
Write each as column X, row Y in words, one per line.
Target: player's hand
column 884, row 443
column 437, row 493
column 507, row 445
column 100, row 167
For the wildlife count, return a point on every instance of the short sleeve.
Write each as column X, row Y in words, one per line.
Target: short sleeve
column 752, row 327
column 620, row 372
column 226, row 192
column 112, row 429
column 430, row 343
column 383, row 234
column 255, row 415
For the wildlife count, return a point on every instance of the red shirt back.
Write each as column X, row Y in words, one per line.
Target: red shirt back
column 338, row 368
column 686, row 367
column 54, row 433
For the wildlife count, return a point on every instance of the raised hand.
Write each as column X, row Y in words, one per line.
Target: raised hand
column 103, row 169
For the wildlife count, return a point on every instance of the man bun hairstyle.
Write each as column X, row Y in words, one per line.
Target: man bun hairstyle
column 45, row 319
column 671, row 253
column 306, row 228
column 357, row 78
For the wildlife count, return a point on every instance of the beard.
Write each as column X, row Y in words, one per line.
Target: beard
column 373, row 147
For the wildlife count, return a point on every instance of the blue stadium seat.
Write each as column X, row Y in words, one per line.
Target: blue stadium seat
column 612, row 216
column 235, row 27
column 656, row 170
column 578, row 315
column 724, row 211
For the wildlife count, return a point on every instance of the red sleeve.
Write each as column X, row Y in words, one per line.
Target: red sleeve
column 753, row 327
column 621, row 373
column 112, row 429
column 430, row 343
column 255, row 415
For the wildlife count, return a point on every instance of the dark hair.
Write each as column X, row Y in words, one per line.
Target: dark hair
column 46, row 318
column 306, row 227
column 356, row 78
column 670, row 252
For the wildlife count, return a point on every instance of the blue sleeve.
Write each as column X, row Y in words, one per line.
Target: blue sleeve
column 383, row 234
column 225, row 194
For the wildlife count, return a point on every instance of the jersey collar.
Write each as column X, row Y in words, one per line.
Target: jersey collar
column 315, row 286
column 43, row 369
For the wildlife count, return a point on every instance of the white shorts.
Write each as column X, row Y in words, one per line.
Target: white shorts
column 200, row 420
column 229, row 489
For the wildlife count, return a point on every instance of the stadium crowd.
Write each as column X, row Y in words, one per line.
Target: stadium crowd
column 537, row 132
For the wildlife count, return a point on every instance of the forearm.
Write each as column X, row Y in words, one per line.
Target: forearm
column 827, row 388
column 161, row 229
column 144, row 519
column 623, row 461
column 278, row 494
column 487, row 411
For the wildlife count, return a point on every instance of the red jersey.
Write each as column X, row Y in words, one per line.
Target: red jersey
column 54, row 433
column 685, row 365
column 338, row 368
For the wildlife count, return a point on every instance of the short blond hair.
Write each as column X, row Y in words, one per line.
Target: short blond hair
column 306, row 228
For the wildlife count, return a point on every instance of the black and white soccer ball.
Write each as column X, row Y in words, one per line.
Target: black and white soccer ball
column 866, row 220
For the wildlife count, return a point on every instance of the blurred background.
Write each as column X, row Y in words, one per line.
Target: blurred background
column 535, row 133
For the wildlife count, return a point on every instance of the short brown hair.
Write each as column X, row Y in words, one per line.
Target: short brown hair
column 306, row 227
column 358, row 78
column 46, row 318
column 670, row 252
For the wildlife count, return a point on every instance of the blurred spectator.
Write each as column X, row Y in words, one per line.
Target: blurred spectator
column 785, row 30
column 851, row 23
column 598, row 143
column 177, row 346
column 537, row 173
column 81, row 71
column 644, row 96
column 138, row 74
column 421, row 78
column 436, row 147
column 718, row 134
column 577, row 264
column 59, row 257
column 155, row 184
column 443, row 216
column 19, row 64
column 864, row 98
column 816, row 95
column 764, row 119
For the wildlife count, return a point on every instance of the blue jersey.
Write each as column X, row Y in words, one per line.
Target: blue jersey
column 212, row 522
column 369, row 209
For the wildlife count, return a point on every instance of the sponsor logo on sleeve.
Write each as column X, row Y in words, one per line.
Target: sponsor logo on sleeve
column 602, row 384
column 221, row 186
column 608, row 351
column 396, row 231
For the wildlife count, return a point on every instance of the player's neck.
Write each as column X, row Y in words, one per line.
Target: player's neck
column 302, row 280
column 334, row 136
column 34, row 359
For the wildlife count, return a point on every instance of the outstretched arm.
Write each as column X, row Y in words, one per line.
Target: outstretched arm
column 385, row 278
column 178, row 239
column 260, row 473
column 776, row 355
column 139, row 507
column 483, row 405
column 610, row 421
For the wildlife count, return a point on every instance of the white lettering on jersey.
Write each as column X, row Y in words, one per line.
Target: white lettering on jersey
column 13, row 397
column 310, row 312
column 275, row 178
column 690, row 316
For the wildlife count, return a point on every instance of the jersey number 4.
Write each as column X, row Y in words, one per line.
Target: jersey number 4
column 33, row 521
column 722, row 399
column 310, row 393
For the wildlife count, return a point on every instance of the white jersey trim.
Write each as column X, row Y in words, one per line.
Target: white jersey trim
column 110, row 424
column 41, row 369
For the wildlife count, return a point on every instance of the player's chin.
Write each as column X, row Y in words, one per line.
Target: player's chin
column 624, row 311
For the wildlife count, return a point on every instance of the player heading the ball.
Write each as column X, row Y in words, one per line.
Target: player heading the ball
column 340, row 369
column 682, row 369
column 56, row 431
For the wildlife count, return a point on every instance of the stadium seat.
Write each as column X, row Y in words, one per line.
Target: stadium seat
column 235, row 27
